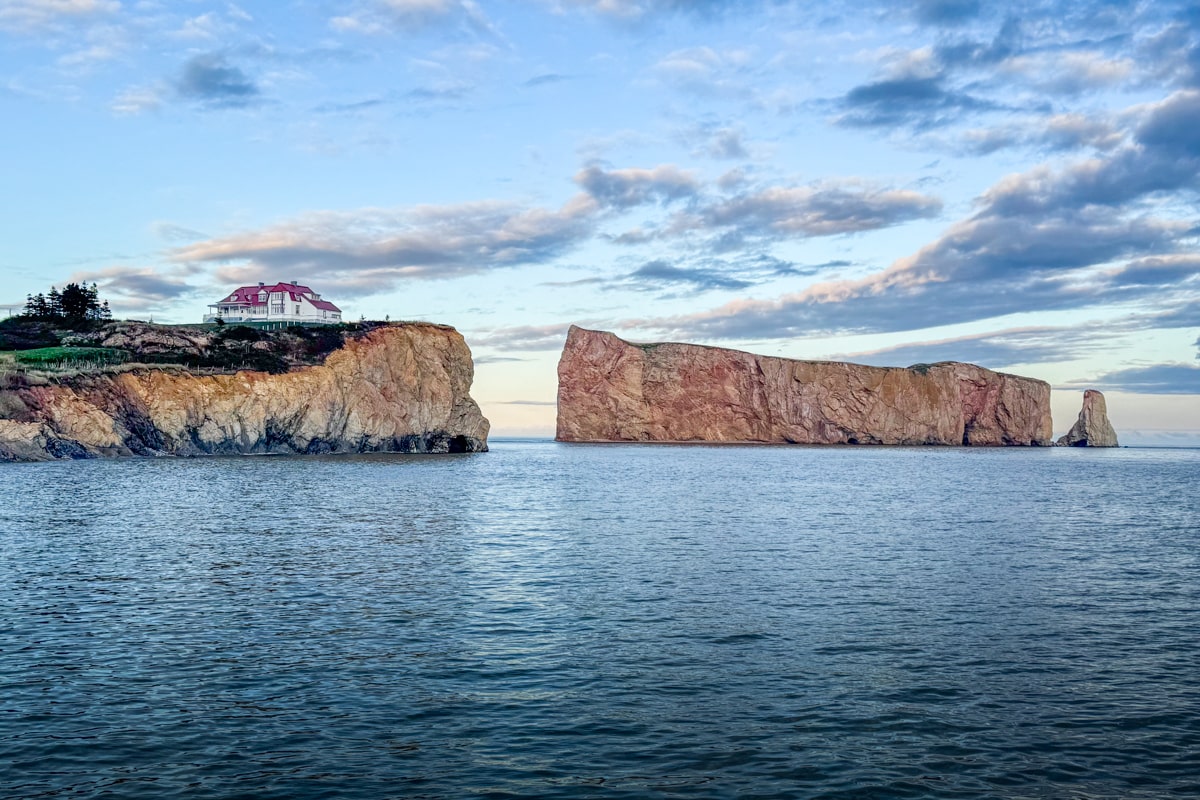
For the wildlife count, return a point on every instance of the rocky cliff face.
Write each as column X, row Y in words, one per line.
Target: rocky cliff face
column 1092, row 429
column 399, row 388
column 610, row 390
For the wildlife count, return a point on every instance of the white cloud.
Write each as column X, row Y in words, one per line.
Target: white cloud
column 30, row 16
column 385, row 16
column 139, row 99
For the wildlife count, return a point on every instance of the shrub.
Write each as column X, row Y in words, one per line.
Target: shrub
column 22, row 333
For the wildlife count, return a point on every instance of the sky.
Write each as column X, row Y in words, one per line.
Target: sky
column 1012, row 184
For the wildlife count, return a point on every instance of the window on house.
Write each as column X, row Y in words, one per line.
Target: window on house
column 277, row 308
column 297, row 309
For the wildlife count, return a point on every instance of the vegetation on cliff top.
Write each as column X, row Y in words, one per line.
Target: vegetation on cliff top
column 41, row 345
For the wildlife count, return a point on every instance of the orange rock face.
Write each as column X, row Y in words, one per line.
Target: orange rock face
column 402, row 388
column 610, row 390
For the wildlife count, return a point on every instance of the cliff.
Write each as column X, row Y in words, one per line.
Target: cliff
column 395, row 388
column 610, row 390
column 1092, row 429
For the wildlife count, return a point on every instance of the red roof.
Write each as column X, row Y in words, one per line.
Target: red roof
column 248, row 295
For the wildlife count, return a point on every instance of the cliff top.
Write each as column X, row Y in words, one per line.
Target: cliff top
column 33, row 345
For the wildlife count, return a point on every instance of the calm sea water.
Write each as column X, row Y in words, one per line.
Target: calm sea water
column 604, row 621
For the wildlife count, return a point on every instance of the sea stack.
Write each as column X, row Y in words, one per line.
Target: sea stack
column 610, row 390
column 402, row 387
column 1092, row 429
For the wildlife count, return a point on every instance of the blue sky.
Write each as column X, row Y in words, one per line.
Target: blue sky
column 1013, row 185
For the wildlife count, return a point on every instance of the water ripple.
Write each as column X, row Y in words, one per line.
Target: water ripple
column 615, row 622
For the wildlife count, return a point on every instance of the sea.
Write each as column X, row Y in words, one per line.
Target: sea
column 604, row 621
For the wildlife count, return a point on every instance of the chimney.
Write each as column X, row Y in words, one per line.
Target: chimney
column 260, row 283
column 295, row 282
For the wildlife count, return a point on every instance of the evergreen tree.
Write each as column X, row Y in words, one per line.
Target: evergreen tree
column 78, row 302
column 54, row 307
column 73, row 306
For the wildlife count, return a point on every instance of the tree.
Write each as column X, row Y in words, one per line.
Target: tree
column 36, row 306
column 79, row 302
column 74, row 305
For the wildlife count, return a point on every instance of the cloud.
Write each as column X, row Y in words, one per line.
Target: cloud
column 480, row 361
column 823, row 209
column 33, row 16
column 699, row 271
column 1039, row 57
column 625, row 188
column 776, row 213
column 658, row 273
column 956, row 54
column 413, row 16
column 209, row 25
column 524, row 337
column 1057, row 132
column 544, row 80
column 629, row 11
column 371, row 250
column 1041, row 240
column 176, row 233
column 711, row 141
column 139, row 288
column 946, row 12
column 1070, row 73
column 212, row 81
column 578, row 282
column 440, row 93
column 140, row 99
column 1157, row 271
column 919, row 101
column 997, row 349
column 705, row 71
column 352, row 107
column 1155, row 379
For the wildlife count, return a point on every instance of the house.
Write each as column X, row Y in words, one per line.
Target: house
column 282, row 302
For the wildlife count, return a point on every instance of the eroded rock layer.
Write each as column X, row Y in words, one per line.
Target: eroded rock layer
column 1092, row 429
column 399, row 388
column 610, row 390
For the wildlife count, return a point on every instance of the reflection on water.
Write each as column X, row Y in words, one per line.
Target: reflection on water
column 609, row 621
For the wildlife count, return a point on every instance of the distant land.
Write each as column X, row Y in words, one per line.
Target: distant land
column 611, row 390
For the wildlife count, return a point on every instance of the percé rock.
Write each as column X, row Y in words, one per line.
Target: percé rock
column 396, row 388
column 610, row 390
column 1092, row 429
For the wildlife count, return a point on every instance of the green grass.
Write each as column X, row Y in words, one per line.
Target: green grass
column 69, row 356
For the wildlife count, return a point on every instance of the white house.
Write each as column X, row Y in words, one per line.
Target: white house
column 283, row 302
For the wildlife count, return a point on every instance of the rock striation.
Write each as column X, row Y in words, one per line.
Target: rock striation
column 610, row 390
column 1092, row 429
column 396, row 388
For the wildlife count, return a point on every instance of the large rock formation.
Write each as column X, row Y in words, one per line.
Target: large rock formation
column 397, row 388
column 1092, row 429
column 610, row 390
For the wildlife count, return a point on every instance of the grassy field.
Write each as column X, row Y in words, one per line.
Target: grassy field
column 65, row 357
